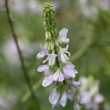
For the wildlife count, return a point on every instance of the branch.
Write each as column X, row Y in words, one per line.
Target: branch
column 25, row 73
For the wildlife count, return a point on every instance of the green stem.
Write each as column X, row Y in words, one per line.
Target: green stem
column 25, row 73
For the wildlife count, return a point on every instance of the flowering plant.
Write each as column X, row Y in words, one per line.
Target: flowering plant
column 56, row 66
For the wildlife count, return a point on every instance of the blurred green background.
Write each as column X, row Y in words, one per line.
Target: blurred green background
column 88, row 22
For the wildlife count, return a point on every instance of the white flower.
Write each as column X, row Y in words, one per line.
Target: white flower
column 51, row 59
column 58, row 76
column 43, row 52
column 63, row 53
column 69, row 71
column 63, row 100
column 54, row 97
column 63, row 33
column 48, row 80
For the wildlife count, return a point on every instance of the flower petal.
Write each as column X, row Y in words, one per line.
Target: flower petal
column 43, row 49
column 43, row 52
column 66, row 76
column 61, row 77
column 70, row 94
column 47, row 81
column 51, row 58
column 58, row 76
column 43, row 68
column 63, row 34
column 76, row 84
column 54, row 97
column 64, row 58
column 55, row 76
column 63, row 100
column 40, row 55
column 69, row 72
column 69, row 65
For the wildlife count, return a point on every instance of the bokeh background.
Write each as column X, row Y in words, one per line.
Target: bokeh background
column 88, row 22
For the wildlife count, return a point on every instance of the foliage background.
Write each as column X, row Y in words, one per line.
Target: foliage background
column 88, row 22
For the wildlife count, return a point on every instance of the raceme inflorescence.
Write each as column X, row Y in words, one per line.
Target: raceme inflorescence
column 57, row 68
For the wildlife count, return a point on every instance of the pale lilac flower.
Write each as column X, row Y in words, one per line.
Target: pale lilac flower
column 98, row 98
column 43, row 52
column 70, row 94
column 76, row 84
column 48, row 80
column 40, row 55
column 63, row 100
column 90, row 102
column 63, row 53
column 51, row 59
column 54, row 97
column 89, row 95
column 92, row 106
column 56, row 67
column 94, row 101
column 63, row 35
column 70, row 65
column 45, row 69
column 58, row 76
column 85, row 97
column 69, row 71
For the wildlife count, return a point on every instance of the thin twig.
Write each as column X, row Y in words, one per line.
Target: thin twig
column 25, row 73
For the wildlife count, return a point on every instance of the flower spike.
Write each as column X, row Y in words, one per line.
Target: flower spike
column 57, row 68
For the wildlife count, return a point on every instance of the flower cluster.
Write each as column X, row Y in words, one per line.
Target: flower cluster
column 56, row 66
column 89, row 93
